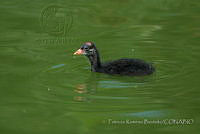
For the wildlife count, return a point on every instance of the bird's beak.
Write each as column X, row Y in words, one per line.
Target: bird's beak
column 79, row 52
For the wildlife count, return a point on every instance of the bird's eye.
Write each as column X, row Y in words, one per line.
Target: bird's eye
column 86, row 48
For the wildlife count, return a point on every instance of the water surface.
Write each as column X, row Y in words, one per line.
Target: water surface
column 45, row 89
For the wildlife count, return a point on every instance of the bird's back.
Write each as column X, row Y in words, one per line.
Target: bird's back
column 127, row 67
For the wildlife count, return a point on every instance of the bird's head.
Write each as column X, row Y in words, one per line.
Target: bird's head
column 88, row 49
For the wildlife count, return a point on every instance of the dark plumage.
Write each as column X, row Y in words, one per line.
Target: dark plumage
column 131, row 67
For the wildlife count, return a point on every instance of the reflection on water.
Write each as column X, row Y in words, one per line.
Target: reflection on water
column 146, row 114
column 57, row 66
column 80, row 89
column 97, row 82
column 117, row 84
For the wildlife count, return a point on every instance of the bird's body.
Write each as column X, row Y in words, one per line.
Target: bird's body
column 125, row 66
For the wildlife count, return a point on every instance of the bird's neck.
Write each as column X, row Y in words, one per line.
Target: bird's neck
column 95, row 62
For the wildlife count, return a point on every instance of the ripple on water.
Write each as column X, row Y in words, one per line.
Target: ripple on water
column 110, row 97
column 147, row 114
column 118, row 84
column 180, row 64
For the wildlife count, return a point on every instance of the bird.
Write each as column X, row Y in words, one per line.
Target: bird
column 123, row 66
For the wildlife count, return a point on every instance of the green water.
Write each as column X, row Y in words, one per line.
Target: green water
column 45, row 89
